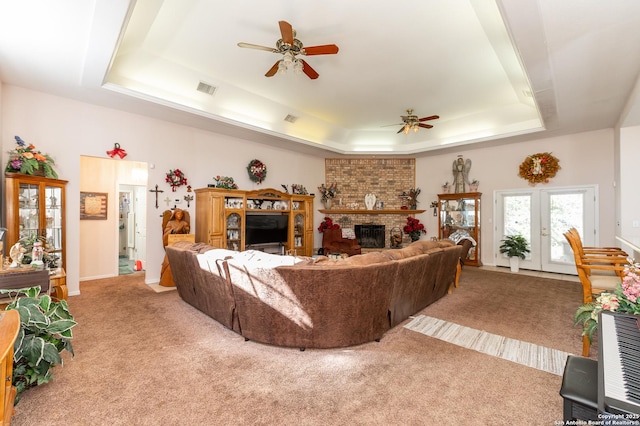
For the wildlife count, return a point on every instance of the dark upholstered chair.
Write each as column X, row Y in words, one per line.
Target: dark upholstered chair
column 332, row 242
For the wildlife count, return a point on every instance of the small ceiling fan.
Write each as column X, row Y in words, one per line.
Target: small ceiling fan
column 290, row 47
column 412, row 122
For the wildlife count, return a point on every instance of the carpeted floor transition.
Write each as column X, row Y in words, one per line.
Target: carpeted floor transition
column 529, row 354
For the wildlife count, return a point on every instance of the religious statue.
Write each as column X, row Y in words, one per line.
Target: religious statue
column 460, row 171
column 177, row 224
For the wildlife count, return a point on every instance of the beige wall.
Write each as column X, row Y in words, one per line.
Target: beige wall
column 585, row 158
column 629, row 200
column 67, row 129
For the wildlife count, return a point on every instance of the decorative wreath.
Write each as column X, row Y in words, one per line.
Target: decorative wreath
column 176, row 178
column 257, row 171
column 539, row 167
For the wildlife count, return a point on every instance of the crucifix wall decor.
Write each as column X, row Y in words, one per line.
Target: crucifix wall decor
column 156, row 191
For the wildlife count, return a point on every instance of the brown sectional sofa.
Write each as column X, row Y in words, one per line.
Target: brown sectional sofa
column 313, row 302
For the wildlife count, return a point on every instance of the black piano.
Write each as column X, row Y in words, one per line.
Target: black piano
column 619, row 365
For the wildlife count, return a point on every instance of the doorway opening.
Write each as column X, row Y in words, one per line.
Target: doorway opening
column 131, row 228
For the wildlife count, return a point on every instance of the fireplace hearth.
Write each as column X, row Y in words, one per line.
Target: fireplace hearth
column 370, row 236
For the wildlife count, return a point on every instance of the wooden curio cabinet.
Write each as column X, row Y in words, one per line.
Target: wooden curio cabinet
column 36, row 206
column 221, row 218
column 460, row 214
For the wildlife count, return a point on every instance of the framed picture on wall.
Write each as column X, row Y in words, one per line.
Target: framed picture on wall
column 93, row 205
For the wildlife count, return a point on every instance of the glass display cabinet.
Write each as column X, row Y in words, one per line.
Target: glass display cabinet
column 234, row 232
column 35, row 206
column 459, row 217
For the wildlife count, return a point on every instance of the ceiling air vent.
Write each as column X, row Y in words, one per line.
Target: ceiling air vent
column 206, row 88
column 291, row 118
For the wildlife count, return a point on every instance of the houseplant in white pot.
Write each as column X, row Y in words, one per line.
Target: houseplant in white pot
column 515, row 247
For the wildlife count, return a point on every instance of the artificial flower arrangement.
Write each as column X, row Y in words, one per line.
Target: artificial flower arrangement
column 414, row 228
column 224, row 182
column 328, row 192
column 298, row 189
column 176, row 178
column 28, row 160
column 327, row 223
column 412, row 197
column 257, row 171
column 623, row 299
column 539, row 167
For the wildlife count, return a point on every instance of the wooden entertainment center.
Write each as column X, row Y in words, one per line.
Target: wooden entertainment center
column 221, row 219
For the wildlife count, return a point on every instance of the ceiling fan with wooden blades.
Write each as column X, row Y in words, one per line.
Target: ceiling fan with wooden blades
column 412, row 122
column 290, row 47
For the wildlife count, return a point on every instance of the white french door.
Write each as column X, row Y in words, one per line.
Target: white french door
column 542, row 216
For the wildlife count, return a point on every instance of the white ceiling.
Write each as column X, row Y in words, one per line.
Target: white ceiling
column 495, row 72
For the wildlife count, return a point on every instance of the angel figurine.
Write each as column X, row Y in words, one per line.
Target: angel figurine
column 460, row 171
column 16, row 254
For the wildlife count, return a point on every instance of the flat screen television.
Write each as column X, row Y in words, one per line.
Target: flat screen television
column 266, row 228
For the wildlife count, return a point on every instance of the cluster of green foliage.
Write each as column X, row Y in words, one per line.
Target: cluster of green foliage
column 45, row 331
column 515, row 246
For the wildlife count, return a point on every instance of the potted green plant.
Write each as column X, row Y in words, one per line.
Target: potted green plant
column 515, row 247
column 45, row 331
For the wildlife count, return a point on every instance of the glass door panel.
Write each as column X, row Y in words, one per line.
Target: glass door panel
column 29, row 210
column 53, row 220
column 298, row 235
column 234, row 232
column 560, row 210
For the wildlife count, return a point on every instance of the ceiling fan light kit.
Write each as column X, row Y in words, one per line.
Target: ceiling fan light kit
column 289, row 46
column 412, row 121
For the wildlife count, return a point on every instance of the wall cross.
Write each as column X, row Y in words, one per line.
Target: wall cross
column 156, row 191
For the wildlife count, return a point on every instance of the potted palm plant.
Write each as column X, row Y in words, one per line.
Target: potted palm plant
column 515, row 247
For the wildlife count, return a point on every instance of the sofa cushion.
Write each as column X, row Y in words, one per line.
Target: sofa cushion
column 366, row 259
column 403, row 253
column 425, row 245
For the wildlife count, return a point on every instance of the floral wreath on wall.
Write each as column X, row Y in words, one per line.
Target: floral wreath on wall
column 175, row 178
column 539, row 167
column 257, row 171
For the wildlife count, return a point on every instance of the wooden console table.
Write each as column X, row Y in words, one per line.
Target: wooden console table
column 59, row 284
column 25, row 277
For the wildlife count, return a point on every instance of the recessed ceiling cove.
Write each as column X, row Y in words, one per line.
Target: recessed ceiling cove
column 452, row 57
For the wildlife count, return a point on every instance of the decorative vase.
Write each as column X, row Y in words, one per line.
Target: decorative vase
column 514, row 263
column 370, row 201
column 446, row 189
column 327, row 204
column 415, row 236
column 473, row 187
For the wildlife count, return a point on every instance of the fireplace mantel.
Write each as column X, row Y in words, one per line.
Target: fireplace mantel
column 363, row 211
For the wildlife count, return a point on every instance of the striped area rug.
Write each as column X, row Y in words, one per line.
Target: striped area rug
column 539, row 357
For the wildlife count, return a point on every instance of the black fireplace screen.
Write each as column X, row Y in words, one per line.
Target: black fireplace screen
column 370, row 236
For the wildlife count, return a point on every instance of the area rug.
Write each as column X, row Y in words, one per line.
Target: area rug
column 529, row 354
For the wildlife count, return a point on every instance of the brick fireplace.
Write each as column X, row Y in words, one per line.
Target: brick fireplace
column 386, row 178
